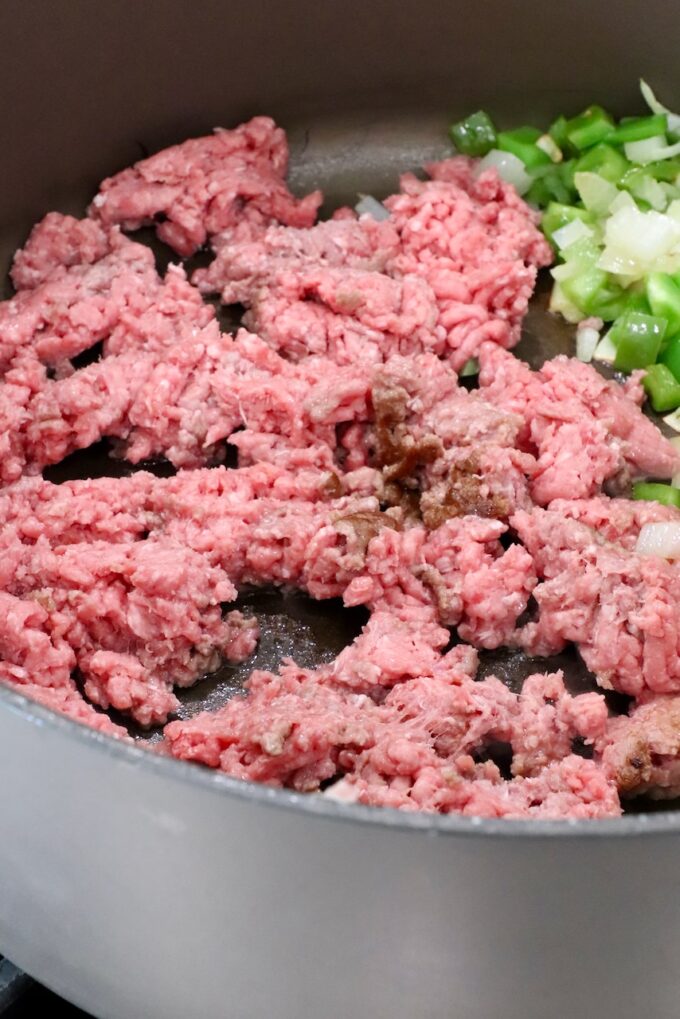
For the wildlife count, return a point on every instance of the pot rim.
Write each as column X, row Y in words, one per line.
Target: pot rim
column 661, row 822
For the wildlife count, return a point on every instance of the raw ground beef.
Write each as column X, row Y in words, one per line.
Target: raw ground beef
column 299, row 728
column 621, row 609
column 367, row 473
column 453, row 266
column 59, row 241
column 641, row 752
column 248, row 257
column 205, row 185
column 583, row 429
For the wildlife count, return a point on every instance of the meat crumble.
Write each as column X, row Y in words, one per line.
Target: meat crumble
column 366, row 472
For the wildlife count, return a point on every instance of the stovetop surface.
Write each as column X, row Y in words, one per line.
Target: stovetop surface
column 22, row 998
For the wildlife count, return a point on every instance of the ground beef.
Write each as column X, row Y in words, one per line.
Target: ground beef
column 366, row 473
column 641, row 752
column 69, row 702
column 415, row 778
column 299, row 728
column 205, row 185
column 453, row 266
column 59, row 241
column 134, row 618
column 347, row 315
column 620, row 608
column 247, row 258
column 119, row 299
column 583, row 429
column 618, row 520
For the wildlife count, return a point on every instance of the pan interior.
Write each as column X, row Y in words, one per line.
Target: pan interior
column 344, row 156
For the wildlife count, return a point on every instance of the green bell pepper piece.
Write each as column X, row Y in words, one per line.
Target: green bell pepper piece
column 637, row 338
column 475, row 135
column 654, row 492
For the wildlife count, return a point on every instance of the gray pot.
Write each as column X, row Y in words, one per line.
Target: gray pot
column 139, row 886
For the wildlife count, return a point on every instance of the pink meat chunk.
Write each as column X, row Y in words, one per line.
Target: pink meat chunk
column 28, row 652
column 299, row 728
column 69, row 702
column 473, row 245
column 346, row 315
column 477, row 249
column 75, row 307
column 549, row 719
column 617, row 520
column 641, row 751
column 621, row 609
column 583, row 428
column 457, row 574
column 248, row 257
column 205, row 185
column 417, row 779
column 136, row 618
column 60, row 241
column 119, row 299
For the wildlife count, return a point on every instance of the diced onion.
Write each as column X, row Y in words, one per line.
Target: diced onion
column 572, row 232
column 587, row 340
column 597, row 194
column 650, row 150
column 673, row 420
column 660, row 539
column 605, row 350
column 561, row 305
column 509, row 168
column 368, row 205
column 649, row 190
column 635, row 241
column 672, row 119
column 624, row 200
column 550, row 147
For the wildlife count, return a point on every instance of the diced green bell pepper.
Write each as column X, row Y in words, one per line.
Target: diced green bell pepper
column 558, row 132
column 605, row 160
column 670, row 356
column 558, row 215
column 663, row 295
column 475, row 135
column 522, row 143
column 637, row 338
column 635, row 129
column 589, row 128
column 552, row 184
column 655, row 492
column 662, row 387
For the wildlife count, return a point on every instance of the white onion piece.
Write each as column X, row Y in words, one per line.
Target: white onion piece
column 572, row 232
column 370, row 206
column 597, row 194
column 650, row 150
column 673, row 420
column 587, row 340
column 660, row 539
column 672, row 119
column 624, row 200
column 561, row 305
column 651, row 191
column 550, row 147
column 605, row 350
column 635, row 241
column 509, row 168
